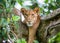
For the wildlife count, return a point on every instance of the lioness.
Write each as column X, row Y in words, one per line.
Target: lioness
column 32, row 20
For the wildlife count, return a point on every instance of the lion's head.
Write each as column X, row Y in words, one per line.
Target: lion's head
column 30, row 16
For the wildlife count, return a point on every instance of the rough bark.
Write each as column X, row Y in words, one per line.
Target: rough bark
column 49, row 26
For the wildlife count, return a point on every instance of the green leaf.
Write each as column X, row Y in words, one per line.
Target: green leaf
column 1, row 11
column 46, row 1
column 19, row 1
column 3, row 22
column 18, row 41
column 15, row 18
column 23, row 40
column 35, row 41
column 55, row 38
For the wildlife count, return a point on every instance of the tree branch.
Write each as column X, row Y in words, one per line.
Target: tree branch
column 51, row 15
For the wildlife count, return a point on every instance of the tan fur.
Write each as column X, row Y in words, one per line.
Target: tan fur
column 32, row 31
column 32, row 19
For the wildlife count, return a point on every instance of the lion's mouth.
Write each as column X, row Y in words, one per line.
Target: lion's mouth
column 29, row 24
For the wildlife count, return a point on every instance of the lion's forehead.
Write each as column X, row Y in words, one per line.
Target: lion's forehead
column 29, row 12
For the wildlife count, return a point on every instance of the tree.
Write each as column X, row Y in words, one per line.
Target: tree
column 9, row 24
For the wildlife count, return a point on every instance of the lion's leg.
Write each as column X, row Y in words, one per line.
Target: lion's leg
column 31, row 35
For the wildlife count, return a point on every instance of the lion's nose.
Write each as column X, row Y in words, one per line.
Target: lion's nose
column 29, row 21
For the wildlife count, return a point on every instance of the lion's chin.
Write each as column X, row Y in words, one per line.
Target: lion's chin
column 29, row 24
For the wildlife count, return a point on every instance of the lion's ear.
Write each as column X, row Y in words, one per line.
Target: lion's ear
column 37, row 9
column 23, row 10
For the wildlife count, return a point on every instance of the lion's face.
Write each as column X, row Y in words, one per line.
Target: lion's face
column 30, row 16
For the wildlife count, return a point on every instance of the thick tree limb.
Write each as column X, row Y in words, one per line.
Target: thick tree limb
column 51, row 15
column 49, row 26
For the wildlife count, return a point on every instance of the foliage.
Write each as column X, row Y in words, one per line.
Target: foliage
column 35, row 41
column 21, row 40
column 45, row 8
column 7, row 18
column 8, row 21
column 55, row 39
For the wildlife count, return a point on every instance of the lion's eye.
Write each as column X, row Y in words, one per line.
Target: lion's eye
column 26, row 15
column 32, row 14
